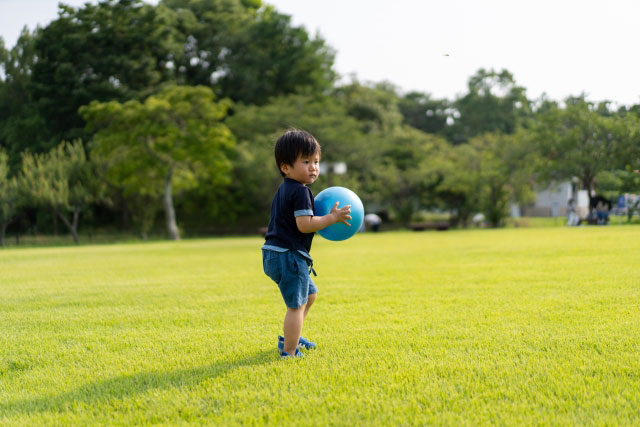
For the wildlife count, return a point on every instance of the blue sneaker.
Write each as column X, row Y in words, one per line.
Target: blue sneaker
column 285, row 355
column 302, row 343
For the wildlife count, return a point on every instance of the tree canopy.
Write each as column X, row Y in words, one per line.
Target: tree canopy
column 578, row 141
column 172, row 139
column 175, row 107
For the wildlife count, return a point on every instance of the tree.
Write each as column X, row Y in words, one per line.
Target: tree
column 62, row 179
column 407, row 172
column 21, row 124
column 577, row 141
column 9, row 194
column 210, row 27
column 127, row 184
column 3, row 53
column 249, row 52
column 375, row 106
column 621, row 181
column 112, row 50
column 423, row 112
column 457, row 187
column 505, row 173
column 494, row 103
column 173, row 139
column 256, row 176
column 126, row 49
column 272, row 58
column 487, row 174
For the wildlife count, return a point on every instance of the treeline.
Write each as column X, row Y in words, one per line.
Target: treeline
column 129, row 116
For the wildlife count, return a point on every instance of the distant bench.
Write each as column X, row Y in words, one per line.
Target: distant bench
column 432, row 225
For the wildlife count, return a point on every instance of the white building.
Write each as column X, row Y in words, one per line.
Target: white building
column 554, row 201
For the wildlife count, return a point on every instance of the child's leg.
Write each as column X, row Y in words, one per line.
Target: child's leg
column 310, row 300
column 293, row 327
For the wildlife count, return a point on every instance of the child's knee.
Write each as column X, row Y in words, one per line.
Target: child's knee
column 294, row 309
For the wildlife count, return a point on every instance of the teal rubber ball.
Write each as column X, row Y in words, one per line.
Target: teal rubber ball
column 326, row 199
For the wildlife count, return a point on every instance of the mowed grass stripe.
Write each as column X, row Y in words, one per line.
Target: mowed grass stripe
column 518, row 326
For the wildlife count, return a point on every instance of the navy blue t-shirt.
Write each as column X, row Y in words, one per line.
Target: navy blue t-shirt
column 291, row 200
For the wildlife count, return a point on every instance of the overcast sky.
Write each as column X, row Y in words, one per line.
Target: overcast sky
column 561, row 47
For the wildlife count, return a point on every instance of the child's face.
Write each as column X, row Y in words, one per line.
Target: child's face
column 305, row 170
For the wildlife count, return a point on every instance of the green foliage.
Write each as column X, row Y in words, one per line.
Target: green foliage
column 615, row 183
column 619, row 181
column 486, row 175
column 491, row 327
column 505, row 175
column 458, row 187
column 209, row 27
column 425, row 113
column 112, row 50
column 117, row 61
column 9, row 195
column 271, row 57
column 3, row 56
column 374, row 106
column 249, row 53
column 578, row 141
column 256, row 177
column 62, row 180
column 21, row 126
column 172, row 140
column 494, row 103
column 406, row 173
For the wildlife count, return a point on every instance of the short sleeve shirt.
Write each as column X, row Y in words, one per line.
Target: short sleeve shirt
column 291, row 200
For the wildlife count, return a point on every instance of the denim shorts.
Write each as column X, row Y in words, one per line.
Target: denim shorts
column 290, row 270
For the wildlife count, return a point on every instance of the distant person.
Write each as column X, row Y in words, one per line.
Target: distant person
column 373, row 221
column 602, row 213
column 285, row 254
column 573, row 218
column 594, row 215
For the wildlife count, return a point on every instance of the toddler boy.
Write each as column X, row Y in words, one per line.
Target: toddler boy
column 285, row 254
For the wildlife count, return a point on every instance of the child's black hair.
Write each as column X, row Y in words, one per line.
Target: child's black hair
column 294, row 143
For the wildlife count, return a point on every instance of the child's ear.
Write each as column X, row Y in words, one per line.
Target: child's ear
column 284, row 168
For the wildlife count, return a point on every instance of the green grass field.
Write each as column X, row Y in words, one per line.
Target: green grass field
column 513, row 326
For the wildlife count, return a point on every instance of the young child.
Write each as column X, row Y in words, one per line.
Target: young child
column 285, row 254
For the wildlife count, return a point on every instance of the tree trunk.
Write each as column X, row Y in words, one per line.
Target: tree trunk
column 169, row 211
column 587, row 183
column 74, row 224
column 632, row 209
column 71, row 227
column 495, row 210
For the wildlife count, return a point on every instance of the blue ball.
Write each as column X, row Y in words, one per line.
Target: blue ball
column 325, row 200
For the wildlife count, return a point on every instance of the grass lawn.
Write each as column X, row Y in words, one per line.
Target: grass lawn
column 512, row 326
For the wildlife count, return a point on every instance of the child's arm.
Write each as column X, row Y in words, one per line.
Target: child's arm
column 311, row 224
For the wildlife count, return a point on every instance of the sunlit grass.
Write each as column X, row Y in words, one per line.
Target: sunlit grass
column 516, row 326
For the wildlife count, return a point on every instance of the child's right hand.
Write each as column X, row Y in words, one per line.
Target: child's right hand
column 342, row 214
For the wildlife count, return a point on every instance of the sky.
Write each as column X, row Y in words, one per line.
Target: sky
column 557, row 47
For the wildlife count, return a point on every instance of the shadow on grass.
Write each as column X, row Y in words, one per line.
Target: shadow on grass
column 125, row 386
